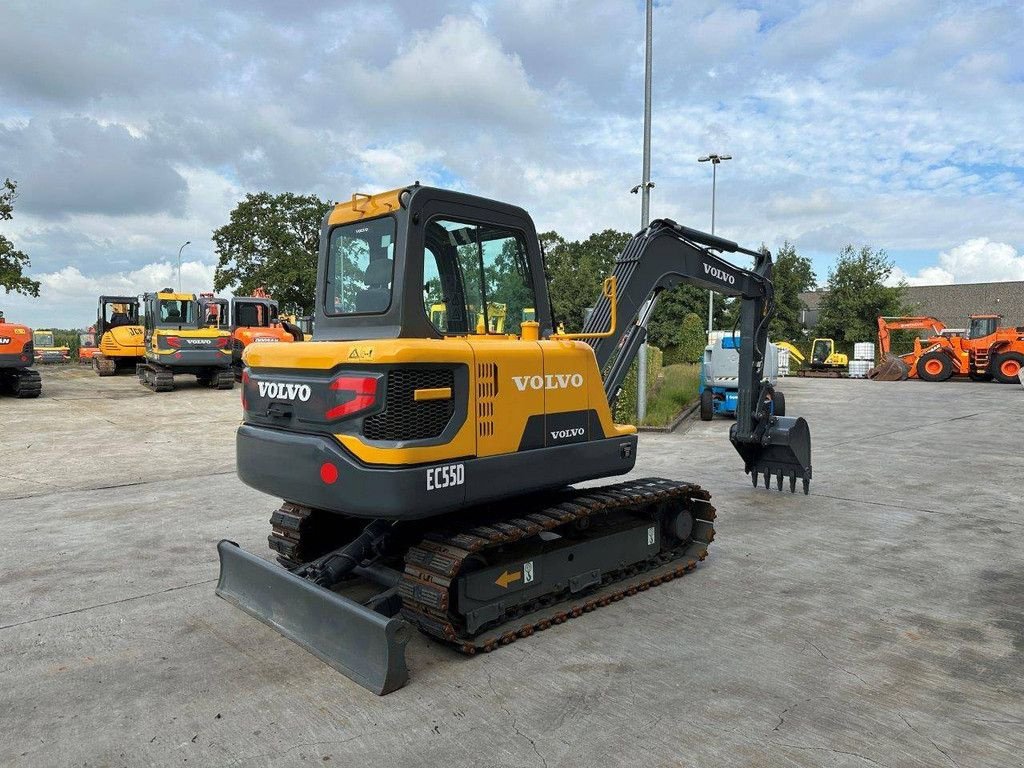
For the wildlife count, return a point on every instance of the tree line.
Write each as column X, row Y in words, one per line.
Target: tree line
column 271, row 241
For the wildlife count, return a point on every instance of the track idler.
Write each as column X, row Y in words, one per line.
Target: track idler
column 782, row 448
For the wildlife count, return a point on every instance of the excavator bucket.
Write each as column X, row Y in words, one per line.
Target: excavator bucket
column 363, row 645
column 891, row 368
column 783, row 452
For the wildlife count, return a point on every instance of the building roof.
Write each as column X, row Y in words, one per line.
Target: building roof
column 954, row 304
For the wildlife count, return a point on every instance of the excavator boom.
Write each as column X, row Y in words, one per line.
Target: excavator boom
column 664, row 255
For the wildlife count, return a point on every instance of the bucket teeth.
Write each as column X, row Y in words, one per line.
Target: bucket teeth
column 753, row 478
column 807, row 486
column 778, row 479
column 767, row 479
column 792, row 482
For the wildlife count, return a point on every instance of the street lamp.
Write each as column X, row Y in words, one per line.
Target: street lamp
column 715, row 160
column 188, row 242
column 644, row 189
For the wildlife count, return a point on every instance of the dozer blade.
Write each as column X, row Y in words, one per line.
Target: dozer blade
column 362, row 644
column 784, row 452
column 891, row 368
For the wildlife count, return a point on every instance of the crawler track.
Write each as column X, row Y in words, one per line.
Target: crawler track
column 21, row 382
column 438, row 560
column 435, row 565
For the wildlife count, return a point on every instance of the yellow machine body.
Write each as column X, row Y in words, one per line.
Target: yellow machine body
column 537, row 378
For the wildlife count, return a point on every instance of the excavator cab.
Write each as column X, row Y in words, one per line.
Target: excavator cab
column 983, row 325
column 429, row 440
column 821, row 351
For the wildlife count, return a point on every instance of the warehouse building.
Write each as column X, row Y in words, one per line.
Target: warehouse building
column 952, row 304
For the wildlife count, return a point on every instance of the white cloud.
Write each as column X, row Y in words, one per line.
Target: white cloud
column 68, row 297
column 977, row 261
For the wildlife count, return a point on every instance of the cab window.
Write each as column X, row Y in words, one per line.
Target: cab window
column 360, row 267
column 176, row 312
column 476, row 278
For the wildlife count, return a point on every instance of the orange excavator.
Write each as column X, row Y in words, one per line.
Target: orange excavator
column 251, row 319
column 987, row 352
column 17, row 355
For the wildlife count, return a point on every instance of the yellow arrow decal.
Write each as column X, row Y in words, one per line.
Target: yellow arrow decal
column 507, row 578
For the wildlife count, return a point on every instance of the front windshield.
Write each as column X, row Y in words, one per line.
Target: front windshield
column 822, row 349
column 42, row 339
column 86, row 340
column 214, row 313
column 177, row 312
column 252, row 314
column 360, row 267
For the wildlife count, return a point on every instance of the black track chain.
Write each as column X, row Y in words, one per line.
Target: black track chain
column 225, row 379
column 26, row 383
column 433, row 566
column 104, row 366
column 300, row 534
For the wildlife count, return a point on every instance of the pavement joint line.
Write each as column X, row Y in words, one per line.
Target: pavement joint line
column 111, row 487
column 901, row 429
column 104, row 605
column 912, row 509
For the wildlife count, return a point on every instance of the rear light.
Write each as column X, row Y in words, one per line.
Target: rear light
column 174, row 341
column 358, row 394
column 328, row 473
column 245, row 380
column 221, row 342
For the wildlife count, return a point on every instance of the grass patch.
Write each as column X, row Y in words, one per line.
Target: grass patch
column 675, row 389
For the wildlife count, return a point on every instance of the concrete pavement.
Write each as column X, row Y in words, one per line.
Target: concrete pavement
column 878, row 621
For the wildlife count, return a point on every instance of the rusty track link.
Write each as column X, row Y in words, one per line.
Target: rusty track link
column 433, row 566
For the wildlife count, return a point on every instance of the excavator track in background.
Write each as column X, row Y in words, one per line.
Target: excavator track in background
column 23, row 382
column 104, row 366
column 157, row 379
column 444, row 569
column 219, row 380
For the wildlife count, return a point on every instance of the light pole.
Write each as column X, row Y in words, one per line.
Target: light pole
column 645, row 203
column 715, row 160
column 187, row 242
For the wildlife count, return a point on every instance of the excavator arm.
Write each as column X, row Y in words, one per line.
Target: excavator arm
column 888, row 324
column 664, row 255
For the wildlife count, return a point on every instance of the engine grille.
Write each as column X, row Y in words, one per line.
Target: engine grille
column 405, row 419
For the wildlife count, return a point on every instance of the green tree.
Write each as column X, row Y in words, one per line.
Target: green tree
column 857, row 295
column 666, row 327
column 792, row 275
column 576, row 270
column 13, row 262
column 271, row 242
column 694, row 338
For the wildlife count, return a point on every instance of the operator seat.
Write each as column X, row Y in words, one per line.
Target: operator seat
column 377, row 295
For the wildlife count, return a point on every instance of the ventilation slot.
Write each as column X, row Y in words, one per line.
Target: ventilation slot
column 486, row 391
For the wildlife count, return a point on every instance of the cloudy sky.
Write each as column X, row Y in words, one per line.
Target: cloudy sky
column 132, row 127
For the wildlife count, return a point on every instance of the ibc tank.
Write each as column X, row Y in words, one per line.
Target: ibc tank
column 864, row 350
column 859, row 368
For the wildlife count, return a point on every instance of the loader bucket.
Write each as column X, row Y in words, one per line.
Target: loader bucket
column 784, row 452
column 891, row 368
column 362, row 644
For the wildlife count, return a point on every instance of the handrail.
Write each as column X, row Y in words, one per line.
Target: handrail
column 609, row 290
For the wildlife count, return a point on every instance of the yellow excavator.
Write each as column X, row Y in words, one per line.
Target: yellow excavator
column 427, row 463
column 826, row 362
column 121, row 337
column 177, row 342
